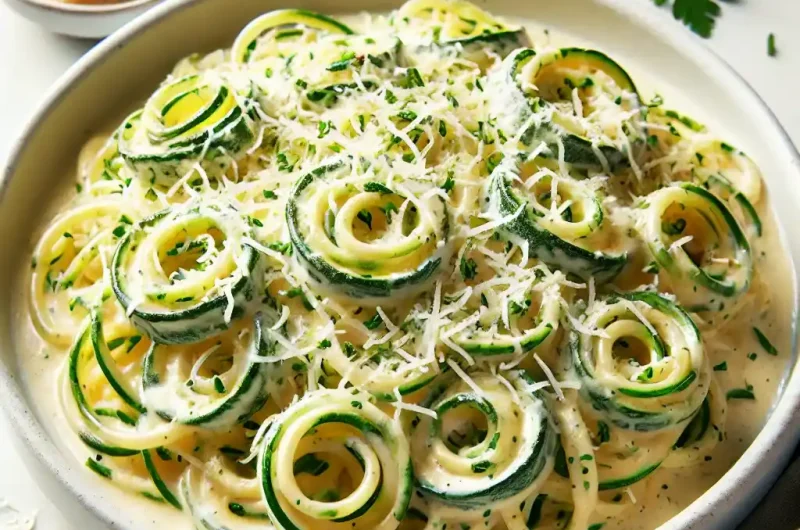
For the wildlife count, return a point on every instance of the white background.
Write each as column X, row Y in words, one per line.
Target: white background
column 31, row 59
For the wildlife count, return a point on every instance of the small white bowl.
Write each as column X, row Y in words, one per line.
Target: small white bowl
column 93, row 21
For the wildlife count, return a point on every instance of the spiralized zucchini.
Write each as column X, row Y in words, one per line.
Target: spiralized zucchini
column 355, row 440
column 663, row 378
column 699, row 246
column 504, row 326
column 184, row 274
column 261, row 36
column 68, row 274
column 690, row 152
column 460, row 28
column 100, row 398
column 223, row 383
column 420, row 271
column 384, row 373
column 580, row 103
column 558, row 218
column 353, row 243
column 684, row 150
column 197, row 120
column 463, row 471
column 643, row 372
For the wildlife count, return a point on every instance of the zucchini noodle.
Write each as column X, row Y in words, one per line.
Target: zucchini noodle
column 184, row 274
column 699, row 245
column 364, row 445
column 354, row 244
column 390, row 275
column 193, row 122
column 644, row 376
column 463, row 472
column 580, row 103
column 558, row 219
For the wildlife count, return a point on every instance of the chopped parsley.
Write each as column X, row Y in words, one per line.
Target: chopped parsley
column 764, row 342
column 468, row 268
column 377, row 187
column 413, row 79
column 373, row 322
column 98, row 468
column 603, row 434
column 116, row 343
column 449, row 183
column 297, row 292
column 309, row 463
column 772, row 50
column 740, row 393
column 365, row 217
column 673, row 228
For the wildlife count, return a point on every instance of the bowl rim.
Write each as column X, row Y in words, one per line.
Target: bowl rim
column 62, row 6
column 778, row 433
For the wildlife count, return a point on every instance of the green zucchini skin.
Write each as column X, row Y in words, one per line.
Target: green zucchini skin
column 192, row 324
column 491, row 348
column 500, row 43
column 475, row 341
column 247, row 40
column 389, row 58
column 374, row 427
column 76, row 357
column 159, row 482
column 703, row 291
column 515, row 107
column 91, row 441
column 606, row 403
column 624, row 482
column 722, row 187
column 697, row 428
column 482, row 34
column 107, row 365
column 86, row 418
column 167, row 159
column 238, row 404
column 543, row 244
column 526, row 469
column 325, row 275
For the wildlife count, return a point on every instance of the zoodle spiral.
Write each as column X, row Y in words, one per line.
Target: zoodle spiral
column 390, row 276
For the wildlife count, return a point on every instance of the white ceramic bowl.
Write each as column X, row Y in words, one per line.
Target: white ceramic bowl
column 92, row 21
column 129, row 65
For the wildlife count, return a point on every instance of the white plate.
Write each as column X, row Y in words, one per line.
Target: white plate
column 129, row 65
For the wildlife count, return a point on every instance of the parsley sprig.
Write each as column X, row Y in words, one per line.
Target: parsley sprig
column 699, row 15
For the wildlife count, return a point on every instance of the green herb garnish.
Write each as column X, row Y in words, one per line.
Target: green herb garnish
column 764, row 341
column 772, row 50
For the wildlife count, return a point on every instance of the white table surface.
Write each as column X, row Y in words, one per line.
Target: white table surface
column 31, row 59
